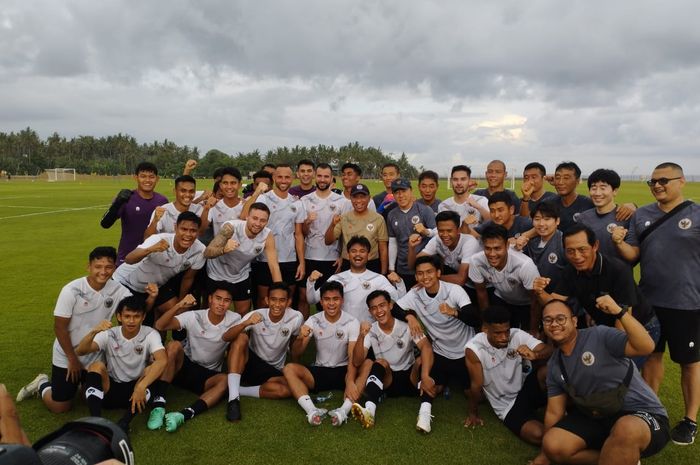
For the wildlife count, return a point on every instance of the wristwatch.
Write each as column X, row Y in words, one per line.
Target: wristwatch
column 624, row 309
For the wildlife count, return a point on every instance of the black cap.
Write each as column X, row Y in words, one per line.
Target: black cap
column 400, row 183
column 359, row 189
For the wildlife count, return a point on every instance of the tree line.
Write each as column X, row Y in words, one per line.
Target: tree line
column 25, row 153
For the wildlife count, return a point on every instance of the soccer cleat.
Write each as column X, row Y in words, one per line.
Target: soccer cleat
column 362, row 415
column 338, row 416
column 683, row 434
column 155, row 419
column 315, row 418
column 173, row 420
column 423, row 423
column 32, row 388
column 233, row 411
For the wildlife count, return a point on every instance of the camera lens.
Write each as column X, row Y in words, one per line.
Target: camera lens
column 79, row 446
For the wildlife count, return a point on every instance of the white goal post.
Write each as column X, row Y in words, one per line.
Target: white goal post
column 61, row 174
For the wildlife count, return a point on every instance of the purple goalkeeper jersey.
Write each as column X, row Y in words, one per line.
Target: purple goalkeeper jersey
column 135, row 216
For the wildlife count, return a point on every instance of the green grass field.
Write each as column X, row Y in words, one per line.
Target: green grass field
column 48, row 230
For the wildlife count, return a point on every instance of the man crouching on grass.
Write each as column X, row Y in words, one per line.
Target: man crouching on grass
column 122, row 381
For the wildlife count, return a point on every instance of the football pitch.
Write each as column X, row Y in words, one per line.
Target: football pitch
column 48, row 230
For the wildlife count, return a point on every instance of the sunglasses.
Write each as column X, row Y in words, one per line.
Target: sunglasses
column 661, row 181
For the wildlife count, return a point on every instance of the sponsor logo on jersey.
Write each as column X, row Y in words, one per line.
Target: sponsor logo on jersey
column 552, row 258
column 109, row 302
column 685, row 223
column 588, row 358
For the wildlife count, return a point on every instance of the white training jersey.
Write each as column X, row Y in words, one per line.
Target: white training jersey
column 234, row 266
column 85, row 307
column 284, row 215
column 159, row 267
column 203, row 344
column 356, row 288
column 513, row 283
column 315, row 247
column 127, row 358
column 395, row 347
column 504, row 369
column 167, row 222
column 466, row 247
column 449, row 334
column 464, row 209
column 332, row 339
column 270, row 340
column 220, row 213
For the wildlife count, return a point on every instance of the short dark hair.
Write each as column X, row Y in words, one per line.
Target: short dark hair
column 147, row 167
column 428, row 175
column 669, row 164
column 219, row 286
column 433, row 260
column 185, row 178
column 577, row 228
column 496, row 314
column 353, row 166
column 607, row 176
column 536, row 165
column 569, row 165
column 563, row 302
column 134, row 303
column 501, row 196
column 260, row 206
column 546, row 209
column 104, row 251
column 278, row 286
column 448, row 215
column 268, row 165
column 283, row 165
column 231, row 171
column 358, row 240
column 305, row 161
column 377, row 293
column 325, row 166
column 189, row 216
column 216, row 187
column 391, row 165
column 262, row 174
column 330, row 286
column 217, row 173
column 494, row 231
column 461, row 168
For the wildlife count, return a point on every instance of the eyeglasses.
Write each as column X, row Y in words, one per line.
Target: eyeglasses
column 559, row 319
column 661, row 181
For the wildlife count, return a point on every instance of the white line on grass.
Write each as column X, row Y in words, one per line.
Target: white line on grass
column 52, row 212
column 27, row 206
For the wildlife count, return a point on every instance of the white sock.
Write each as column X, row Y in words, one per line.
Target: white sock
column 306, row 403
column 371, row 406
column 42, row 392
column 234, row 383
column 426, row 407
column 250, row 391
column 347, row 405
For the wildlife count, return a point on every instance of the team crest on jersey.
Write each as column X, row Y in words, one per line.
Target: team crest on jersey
column 138, row 209
column 85, row 303
column 471, row 211
column 399, row 343
column 415, row 219
column 370, row 227
column 588, row 358
column 575, row 217
column 552, row 258
column 610, row 227
column 685, row 223
column 186, row 265
column 285, row 332
column 512, row 281
column 396, row 223
column 340, row 334
column 258, row 249
column 293, row 208
column 365, row 285
column 109, row 302
column 138, row 349
column 512, row 354
column 517, row 235
column 647, row 224
column 332, row 207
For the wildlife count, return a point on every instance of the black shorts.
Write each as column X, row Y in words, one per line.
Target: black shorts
column 595, row 432
column 327, row 269
column 328, row 378
column 372, row 265
column 519, row 314
column 257, row 371
column 262, row 276
column 401, row 385
column 119, row 394
column 62, row 390
column 240, row 291
column 445, row 370
column 681, row 329
column 169, row 290
column 524, row 409
column 193, row 376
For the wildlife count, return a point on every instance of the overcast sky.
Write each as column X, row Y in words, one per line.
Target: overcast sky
column 603, row 83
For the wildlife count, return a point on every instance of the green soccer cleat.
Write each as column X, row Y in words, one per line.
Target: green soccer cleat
column 173, row 420
column 155, row 419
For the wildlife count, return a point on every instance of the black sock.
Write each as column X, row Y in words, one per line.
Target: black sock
column 94, row 393
column 374, row 386
column 43, row 387
column 158, row 389
column 196, row 408
column 126, row 418
column 426, row 398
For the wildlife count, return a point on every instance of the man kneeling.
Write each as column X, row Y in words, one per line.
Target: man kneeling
column 395, row 370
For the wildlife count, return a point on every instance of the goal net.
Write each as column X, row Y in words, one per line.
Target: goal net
column 61, row 174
